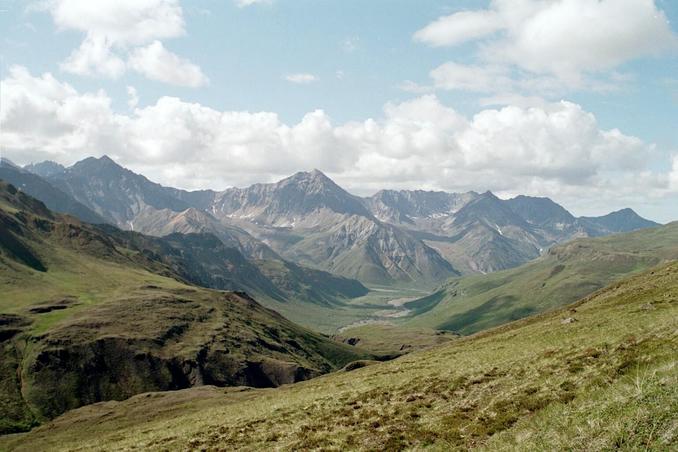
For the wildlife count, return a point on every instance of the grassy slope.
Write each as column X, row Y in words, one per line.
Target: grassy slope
column 98, row 324
column 392, row 339
column 566, row 273
column 606, row 381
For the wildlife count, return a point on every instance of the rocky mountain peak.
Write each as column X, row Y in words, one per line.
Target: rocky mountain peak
column 97, row 165
column 540, row 211
column 311, row 181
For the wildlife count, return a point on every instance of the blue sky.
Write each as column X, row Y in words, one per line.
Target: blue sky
column 358, row 58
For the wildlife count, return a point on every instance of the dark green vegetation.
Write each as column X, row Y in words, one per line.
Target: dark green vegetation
column 87, row 315
column 601, row 374
column 564, row 274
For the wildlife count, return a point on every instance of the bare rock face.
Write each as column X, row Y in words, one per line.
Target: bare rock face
column 311, row 220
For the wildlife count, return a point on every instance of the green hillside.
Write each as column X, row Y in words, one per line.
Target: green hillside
column 601, row 374
column 84, row 319
column 565, row 274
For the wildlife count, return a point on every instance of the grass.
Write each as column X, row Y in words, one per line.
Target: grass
column 391, row 339
column 567, row 273
column 605, row 381
column 328, row 320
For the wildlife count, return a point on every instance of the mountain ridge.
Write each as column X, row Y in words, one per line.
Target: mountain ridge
column 374, row 239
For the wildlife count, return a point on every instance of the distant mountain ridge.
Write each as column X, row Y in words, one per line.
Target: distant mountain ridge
column 481, row 233
column 391, row 237
column 40, row 188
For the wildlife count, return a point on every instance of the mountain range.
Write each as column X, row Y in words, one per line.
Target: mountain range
column 393, row 237
column 124, row 304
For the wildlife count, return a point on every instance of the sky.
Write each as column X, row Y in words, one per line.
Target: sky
column 576, row 100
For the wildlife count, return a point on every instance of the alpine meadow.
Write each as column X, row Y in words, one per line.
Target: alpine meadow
column 302, row 225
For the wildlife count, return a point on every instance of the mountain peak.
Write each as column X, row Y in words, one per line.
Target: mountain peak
column 625, row 211
column 103, row 163
column 542, row 211
column 624, row 220
column 488, row 195
column 314, row 180
column 314, row 174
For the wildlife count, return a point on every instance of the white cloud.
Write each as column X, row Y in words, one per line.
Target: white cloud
column 301, row 78
column 121, row 22
column 132, row 97
column 554, row 149
column 460, row 27
column 157, row 63
column 416, row 88
column 45, row 118
column 673, row 177
column 349, row 45
column 567, row 43
column 503, row 81
column 116, row 30
column 569, row 37
column 94, row 57
column 246, row 3
column 453, row 76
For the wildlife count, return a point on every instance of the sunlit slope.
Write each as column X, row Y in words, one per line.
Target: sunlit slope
column 567, row 273
column 599, row 374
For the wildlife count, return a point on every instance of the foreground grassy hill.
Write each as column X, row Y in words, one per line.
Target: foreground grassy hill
column 83, row 319
column 565, row 274
column 601, row 374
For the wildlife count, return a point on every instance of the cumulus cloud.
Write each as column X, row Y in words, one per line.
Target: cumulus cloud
column 120, row 21
column 157, row 63
column 116, row 30
column 566, row 43
column 460, row 27
column 301, row 78
column 555, row 149
column 94, row 57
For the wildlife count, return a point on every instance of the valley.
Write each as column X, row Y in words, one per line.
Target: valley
column 607, row 380
column 277, row 225
column 310, row 250
column 160, row 299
